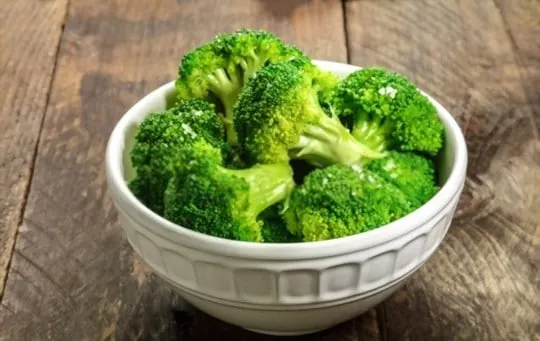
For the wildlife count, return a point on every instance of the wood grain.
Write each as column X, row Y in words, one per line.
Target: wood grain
column 29, row 37
column 483, row 283
column 523, row 27
column 73, row 275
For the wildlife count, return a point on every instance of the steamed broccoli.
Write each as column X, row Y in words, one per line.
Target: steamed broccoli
column 412, row 174
column 206, row 197
column 232, row 156
column 158, row 139
column 264, row 146
column 339, row 201
column 221, row 67
column 386, row 111
column 274, row 229
column 278, row 117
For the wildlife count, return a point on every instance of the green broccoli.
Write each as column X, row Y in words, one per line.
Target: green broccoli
column 157, row 140
column 206, row 197
column 220, row 68
column 340, row 200
column 233, row 157
column 274, row 229
column 412, row 174
column 386, row 111
column 278, row 117
column 264, row 146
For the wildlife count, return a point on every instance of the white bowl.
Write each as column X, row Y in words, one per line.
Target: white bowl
column 283, row 289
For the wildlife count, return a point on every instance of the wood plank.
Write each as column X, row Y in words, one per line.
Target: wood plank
column 29, row 37
column 482, row 284
column 523, row 27
column 73, row 275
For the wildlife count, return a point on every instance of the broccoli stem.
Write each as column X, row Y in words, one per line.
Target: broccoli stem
column 372, row 132
column 252, row 63
column 269, row 184
column 227, row 86
column 327, row 142
column 232, row 137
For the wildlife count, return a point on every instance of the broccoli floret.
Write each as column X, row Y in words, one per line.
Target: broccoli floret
column 274, row 229
column 325, row 83
column 278, row 116
column 384, row 110
column 339, row 201
column 221, row 67
column 206, row 197
column 232, row 157
column 157, row 140
column 412, row 174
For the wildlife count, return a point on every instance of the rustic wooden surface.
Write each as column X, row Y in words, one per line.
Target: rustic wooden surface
column 481, row 59
column 68, row 70
column 26, row 70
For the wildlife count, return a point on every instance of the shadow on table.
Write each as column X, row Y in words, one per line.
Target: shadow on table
column 198, row 326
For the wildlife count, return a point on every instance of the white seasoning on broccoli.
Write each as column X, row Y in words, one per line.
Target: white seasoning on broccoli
column 188, row 130
column 356, row 168
column 197, row 113
column 389, row 165
column 390, row 91
column 324, row 181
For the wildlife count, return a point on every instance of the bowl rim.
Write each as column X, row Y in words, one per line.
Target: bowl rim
column 123, row 197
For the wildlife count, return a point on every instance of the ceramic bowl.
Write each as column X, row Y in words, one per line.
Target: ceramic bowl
column 284, row 289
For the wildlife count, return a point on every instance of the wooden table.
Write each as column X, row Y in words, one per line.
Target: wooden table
column 70, row 69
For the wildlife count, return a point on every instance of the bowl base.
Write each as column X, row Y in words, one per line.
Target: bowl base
column 291, row 333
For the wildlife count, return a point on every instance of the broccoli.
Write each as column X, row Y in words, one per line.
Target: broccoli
column 340, row 200
column 220, row 68
column 206, row 197
column 274, row 229
column 412, row 174
column 233, row 157
column 278, row 116
column 159, row 137
column 386, row 111
column 264, row 146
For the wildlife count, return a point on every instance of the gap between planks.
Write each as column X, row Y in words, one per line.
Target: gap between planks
column 22, row 210
column 345, row 30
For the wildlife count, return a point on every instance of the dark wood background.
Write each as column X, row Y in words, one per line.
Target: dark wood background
column 70, row 68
